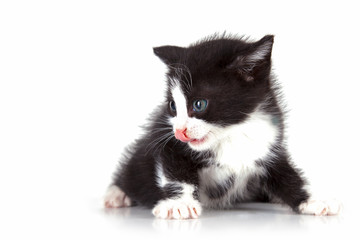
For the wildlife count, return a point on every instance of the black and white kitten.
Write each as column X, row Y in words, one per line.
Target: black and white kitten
column 217, row 140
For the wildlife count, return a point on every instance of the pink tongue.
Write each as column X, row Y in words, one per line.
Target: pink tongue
column 180, row 134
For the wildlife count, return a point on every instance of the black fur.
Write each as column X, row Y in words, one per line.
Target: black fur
column 220, row 70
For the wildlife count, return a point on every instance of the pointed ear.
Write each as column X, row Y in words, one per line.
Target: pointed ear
column 262, row 50
column 169, row 54
column 259, row 53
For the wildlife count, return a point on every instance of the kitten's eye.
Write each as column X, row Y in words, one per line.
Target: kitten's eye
column 172, row 106
column 199, row 105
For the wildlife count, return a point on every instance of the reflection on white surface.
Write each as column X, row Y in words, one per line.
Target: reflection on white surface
column 85, row 219
column 253, row 219
column 191, row 225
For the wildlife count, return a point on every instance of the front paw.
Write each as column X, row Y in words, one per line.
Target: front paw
column 320, row 208
column 177, row 209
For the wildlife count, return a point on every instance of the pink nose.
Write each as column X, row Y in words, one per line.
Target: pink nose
column 181, row 135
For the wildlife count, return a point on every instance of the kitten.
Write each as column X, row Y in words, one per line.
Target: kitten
column 218, row 138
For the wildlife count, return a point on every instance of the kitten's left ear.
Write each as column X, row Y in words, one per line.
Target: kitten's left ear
column 258, row 54
column 169, row 54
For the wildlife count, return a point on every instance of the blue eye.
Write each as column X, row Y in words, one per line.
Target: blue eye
column 199, row 105
column 172, row 106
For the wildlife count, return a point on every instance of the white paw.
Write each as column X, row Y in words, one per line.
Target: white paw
column 177, row 209
column 115, row 198
column 320, row 208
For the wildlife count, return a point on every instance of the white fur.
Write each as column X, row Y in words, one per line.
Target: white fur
column 214, row 175
column 115, row 198
column 320, row 208
column 183, row 207
column 248, row 141
column 161, row 179
column 181, row 118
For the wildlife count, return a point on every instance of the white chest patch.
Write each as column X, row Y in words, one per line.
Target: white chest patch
column 242, row 144
column 239, row 147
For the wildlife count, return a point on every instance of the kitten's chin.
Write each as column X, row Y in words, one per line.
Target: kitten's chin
column 200, row 144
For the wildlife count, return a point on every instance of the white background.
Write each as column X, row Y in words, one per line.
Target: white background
column 78, row 78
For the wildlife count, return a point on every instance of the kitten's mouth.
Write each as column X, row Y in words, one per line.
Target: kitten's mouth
column 181, row 135
column 197, row 142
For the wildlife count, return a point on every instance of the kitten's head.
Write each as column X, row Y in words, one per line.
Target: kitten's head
column 213, row 85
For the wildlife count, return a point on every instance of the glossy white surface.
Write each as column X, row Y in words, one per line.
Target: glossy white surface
column 78, row 77
column 87, row 219
column 253, row 220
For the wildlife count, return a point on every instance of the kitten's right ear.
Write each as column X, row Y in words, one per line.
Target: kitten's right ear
column 257, row 55
column 169, row 54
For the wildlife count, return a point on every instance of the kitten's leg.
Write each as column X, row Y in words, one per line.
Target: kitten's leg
column 171, row 191
column 181, row 205
column 286, row 183
column 115, row 198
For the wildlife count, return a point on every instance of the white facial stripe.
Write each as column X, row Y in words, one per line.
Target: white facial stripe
column 181, row 109
column 196, row 128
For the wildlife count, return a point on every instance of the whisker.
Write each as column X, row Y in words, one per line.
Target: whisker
column 163, row 143
column 158, row 140
column 166, row 141
column 161, row 130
